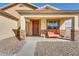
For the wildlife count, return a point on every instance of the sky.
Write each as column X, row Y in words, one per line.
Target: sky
column 62, row 6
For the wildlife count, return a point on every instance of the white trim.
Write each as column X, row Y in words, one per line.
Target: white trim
column 47, row 5
column 33, row 5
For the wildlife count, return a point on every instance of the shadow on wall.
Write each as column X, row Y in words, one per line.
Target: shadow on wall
column 17, row 33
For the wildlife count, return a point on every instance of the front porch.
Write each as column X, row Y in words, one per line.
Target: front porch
column 48, row 27
column 38, row 25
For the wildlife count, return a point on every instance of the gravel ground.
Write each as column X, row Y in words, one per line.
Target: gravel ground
column 46, row 48
column 10, row 46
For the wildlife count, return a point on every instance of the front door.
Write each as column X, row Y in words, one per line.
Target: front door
column 35, row 27
column 53, row 28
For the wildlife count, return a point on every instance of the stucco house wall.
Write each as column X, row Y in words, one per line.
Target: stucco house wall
column 6, row 26
column 13, row 9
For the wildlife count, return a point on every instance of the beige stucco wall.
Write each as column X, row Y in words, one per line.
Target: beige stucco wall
column 6, row 26
column 43, row 24
column 30, row 28
column 13, row 9
column 62, row 24
column 76, row 21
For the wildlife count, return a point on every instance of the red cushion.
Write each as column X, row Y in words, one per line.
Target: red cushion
column 52, row 32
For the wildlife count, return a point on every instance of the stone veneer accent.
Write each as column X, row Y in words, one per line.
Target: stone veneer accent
column 22, row 33
column 76, row 35
column 66, row 33
column 62, row 32
column 43, row 32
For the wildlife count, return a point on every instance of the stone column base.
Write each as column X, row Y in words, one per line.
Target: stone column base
column 43, row 33
column 76, row 35
column 62, row 32
column 66, row 34
column 22, row 34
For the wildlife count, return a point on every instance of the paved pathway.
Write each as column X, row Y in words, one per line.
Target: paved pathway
column 29, row 47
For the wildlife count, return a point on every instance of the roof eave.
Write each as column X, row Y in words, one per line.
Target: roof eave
column 3, row 13
column 48, row 12
column 13, row 4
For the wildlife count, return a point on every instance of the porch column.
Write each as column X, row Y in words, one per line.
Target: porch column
column 43, row 27
column 27, row 26
column 75, row 29
column 22, row 24
column 62, row 24
column 62, row 27
column 72, row 30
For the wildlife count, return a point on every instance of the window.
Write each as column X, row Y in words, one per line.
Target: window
column 53, row 25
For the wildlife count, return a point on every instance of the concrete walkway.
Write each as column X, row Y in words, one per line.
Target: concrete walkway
column 29, row 47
